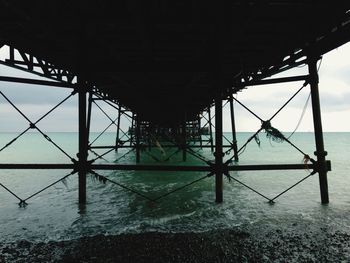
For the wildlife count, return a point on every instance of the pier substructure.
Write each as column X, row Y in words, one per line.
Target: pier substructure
column 219, row 168
column 316, row 112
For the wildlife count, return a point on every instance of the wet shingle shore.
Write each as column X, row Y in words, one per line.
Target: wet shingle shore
column 232, row 245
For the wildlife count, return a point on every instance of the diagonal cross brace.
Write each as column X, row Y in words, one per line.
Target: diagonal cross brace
column 267, row 123
column 32, row 125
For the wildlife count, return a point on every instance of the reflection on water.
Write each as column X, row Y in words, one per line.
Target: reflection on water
column 55, row 213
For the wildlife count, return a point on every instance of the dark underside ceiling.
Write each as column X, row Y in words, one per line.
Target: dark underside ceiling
column 168, row 59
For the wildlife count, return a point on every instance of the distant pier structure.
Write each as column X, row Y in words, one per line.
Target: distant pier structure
column 168, row 66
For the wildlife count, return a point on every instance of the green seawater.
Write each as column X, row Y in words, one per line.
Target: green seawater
column 54, row 214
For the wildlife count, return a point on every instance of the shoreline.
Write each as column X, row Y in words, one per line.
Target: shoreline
column 292, row 244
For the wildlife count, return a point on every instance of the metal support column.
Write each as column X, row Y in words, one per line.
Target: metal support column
column 83, row 142
column 233, row 125
column 316, row 111
column 149, row 138
column 184, row 135
column 137, row 137
column 210, row 130
column 200, row 132
column 89, row 115
column 218, row 150
column 132, row 130
column 118, row 127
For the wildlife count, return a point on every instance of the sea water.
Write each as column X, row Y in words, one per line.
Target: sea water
column 55, row 214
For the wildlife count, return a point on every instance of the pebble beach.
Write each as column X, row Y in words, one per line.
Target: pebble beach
column 277, row 244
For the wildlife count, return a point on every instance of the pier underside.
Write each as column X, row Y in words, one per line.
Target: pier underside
column 165, row 66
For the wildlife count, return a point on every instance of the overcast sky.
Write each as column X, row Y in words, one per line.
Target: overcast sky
column 264, row 100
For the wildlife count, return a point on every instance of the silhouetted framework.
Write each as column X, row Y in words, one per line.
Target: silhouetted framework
column 165, row 75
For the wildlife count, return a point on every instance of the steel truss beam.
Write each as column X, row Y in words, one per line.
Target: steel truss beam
column 61, row 77
column 153, row 146
column 320, row 46
column 37, row 82
column 272, row 81
column 173, row 168
column 37, row 66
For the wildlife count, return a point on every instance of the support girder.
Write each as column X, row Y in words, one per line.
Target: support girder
column 174, row 168
column 37, row 82
column 40, row 67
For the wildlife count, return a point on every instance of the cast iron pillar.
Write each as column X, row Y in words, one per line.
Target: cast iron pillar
column 184, row 135
column 210, row 130
column 133, row 129
column 218, row 150
column 316, row 111
column 138, row 134
column 83, row 142
column 200, row 132
column 88, row 124
column 233, row 125
column 118, row 127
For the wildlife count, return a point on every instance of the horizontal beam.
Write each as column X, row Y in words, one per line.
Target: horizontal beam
column 153, row 146
column 185, row 168
column 24, row 63
column 173, row 168
column 7, row 64
column 37, row 82
column 140, row 167
column 39, row 166
column 121, row 167
column 272, row 81
column 273, row 167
